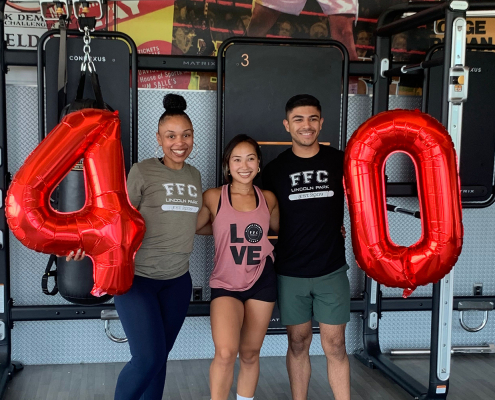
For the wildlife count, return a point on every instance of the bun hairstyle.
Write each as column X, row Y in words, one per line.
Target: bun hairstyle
column 174, row 102
column 174, row 105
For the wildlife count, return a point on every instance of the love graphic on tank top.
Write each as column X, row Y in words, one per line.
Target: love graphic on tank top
column 252, row 234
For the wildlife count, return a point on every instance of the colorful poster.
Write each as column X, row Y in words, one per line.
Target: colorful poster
column 199, row 27
column 479, row 31
column 149, row 23
column 23, row 25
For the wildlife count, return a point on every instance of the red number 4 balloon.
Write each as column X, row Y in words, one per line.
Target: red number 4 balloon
column 108, row 227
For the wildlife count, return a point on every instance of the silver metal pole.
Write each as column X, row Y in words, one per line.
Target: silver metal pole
column 458, row 87
column 488, row 349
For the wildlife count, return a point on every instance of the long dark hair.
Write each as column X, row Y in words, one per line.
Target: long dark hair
column 174, row 104
column 228, row 152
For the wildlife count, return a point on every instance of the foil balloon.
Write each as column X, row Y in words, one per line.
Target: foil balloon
column 431, row 149
column 108, row 228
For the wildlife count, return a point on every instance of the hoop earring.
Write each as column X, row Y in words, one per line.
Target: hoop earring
column 259, row 170
column 158, row 147
column 191, row 156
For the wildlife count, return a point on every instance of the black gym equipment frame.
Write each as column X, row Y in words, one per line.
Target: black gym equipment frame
column 426, row 91
column 286, row 58
column 6, row 366
column 126, row 142
column 371, row 354
column 10, row 313
column 275, row 42
column 409, row 189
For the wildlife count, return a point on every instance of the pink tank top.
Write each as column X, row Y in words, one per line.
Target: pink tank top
column 241, row 244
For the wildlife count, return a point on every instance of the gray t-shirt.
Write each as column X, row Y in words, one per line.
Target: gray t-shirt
column 169, row 201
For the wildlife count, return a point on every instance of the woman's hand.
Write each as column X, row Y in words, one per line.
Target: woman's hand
column 78, row 256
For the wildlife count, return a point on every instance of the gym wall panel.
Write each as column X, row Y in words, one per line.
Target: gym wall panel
column 49, row 342
column 72, row 342
column 476, row 262
column 27, row 266
column 411, row 330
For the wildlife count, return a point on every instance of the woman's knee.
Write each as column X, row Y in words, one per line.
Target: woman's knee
column 225, row 355
column 249, row 356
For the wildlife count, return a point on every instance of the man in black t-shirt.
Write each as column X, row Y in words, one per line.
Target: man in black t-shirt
column 310, row 252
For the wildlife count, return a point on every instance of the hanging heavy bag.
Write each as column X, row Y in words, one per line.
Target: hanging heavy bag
column 79, row 102
column 74, row 279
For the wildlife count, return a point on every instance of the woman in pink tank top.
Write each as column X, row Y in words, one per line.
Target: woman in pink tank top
column 243, row 282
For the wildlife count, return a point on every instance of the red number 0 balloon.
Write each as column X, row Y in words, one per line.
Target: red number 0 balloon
column 108, row 228
column 430, row 147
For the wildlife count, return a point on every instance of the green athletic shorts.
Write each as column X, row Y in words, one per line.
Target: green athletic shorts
column 326, row 297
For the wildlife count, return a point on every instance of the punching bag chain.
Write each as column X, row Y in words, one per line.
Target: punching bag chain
column 87, row 61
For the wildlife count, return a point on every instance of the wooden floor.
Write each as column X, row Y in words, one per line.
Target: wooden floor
column 473, row 378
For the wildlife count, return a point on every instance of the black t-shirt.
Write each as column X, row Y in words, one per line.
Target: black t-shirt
column 310, row 194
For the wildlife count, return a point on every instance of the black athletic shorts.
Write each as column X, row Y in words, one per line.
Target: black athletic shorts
column 265, row 288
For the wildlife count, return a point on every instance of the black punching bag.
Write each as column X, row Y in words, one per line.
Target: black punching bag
column 75, row 278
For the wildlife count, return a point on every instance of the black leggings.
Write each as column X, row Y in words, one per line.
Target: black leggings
column 152, row 313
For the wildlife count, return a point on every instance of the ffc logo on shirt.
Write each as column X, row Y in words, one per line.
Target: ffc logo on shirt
column 318, row 179
column 179, row 203
column 180, row 189
column 253, row 234
column 321, row 176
